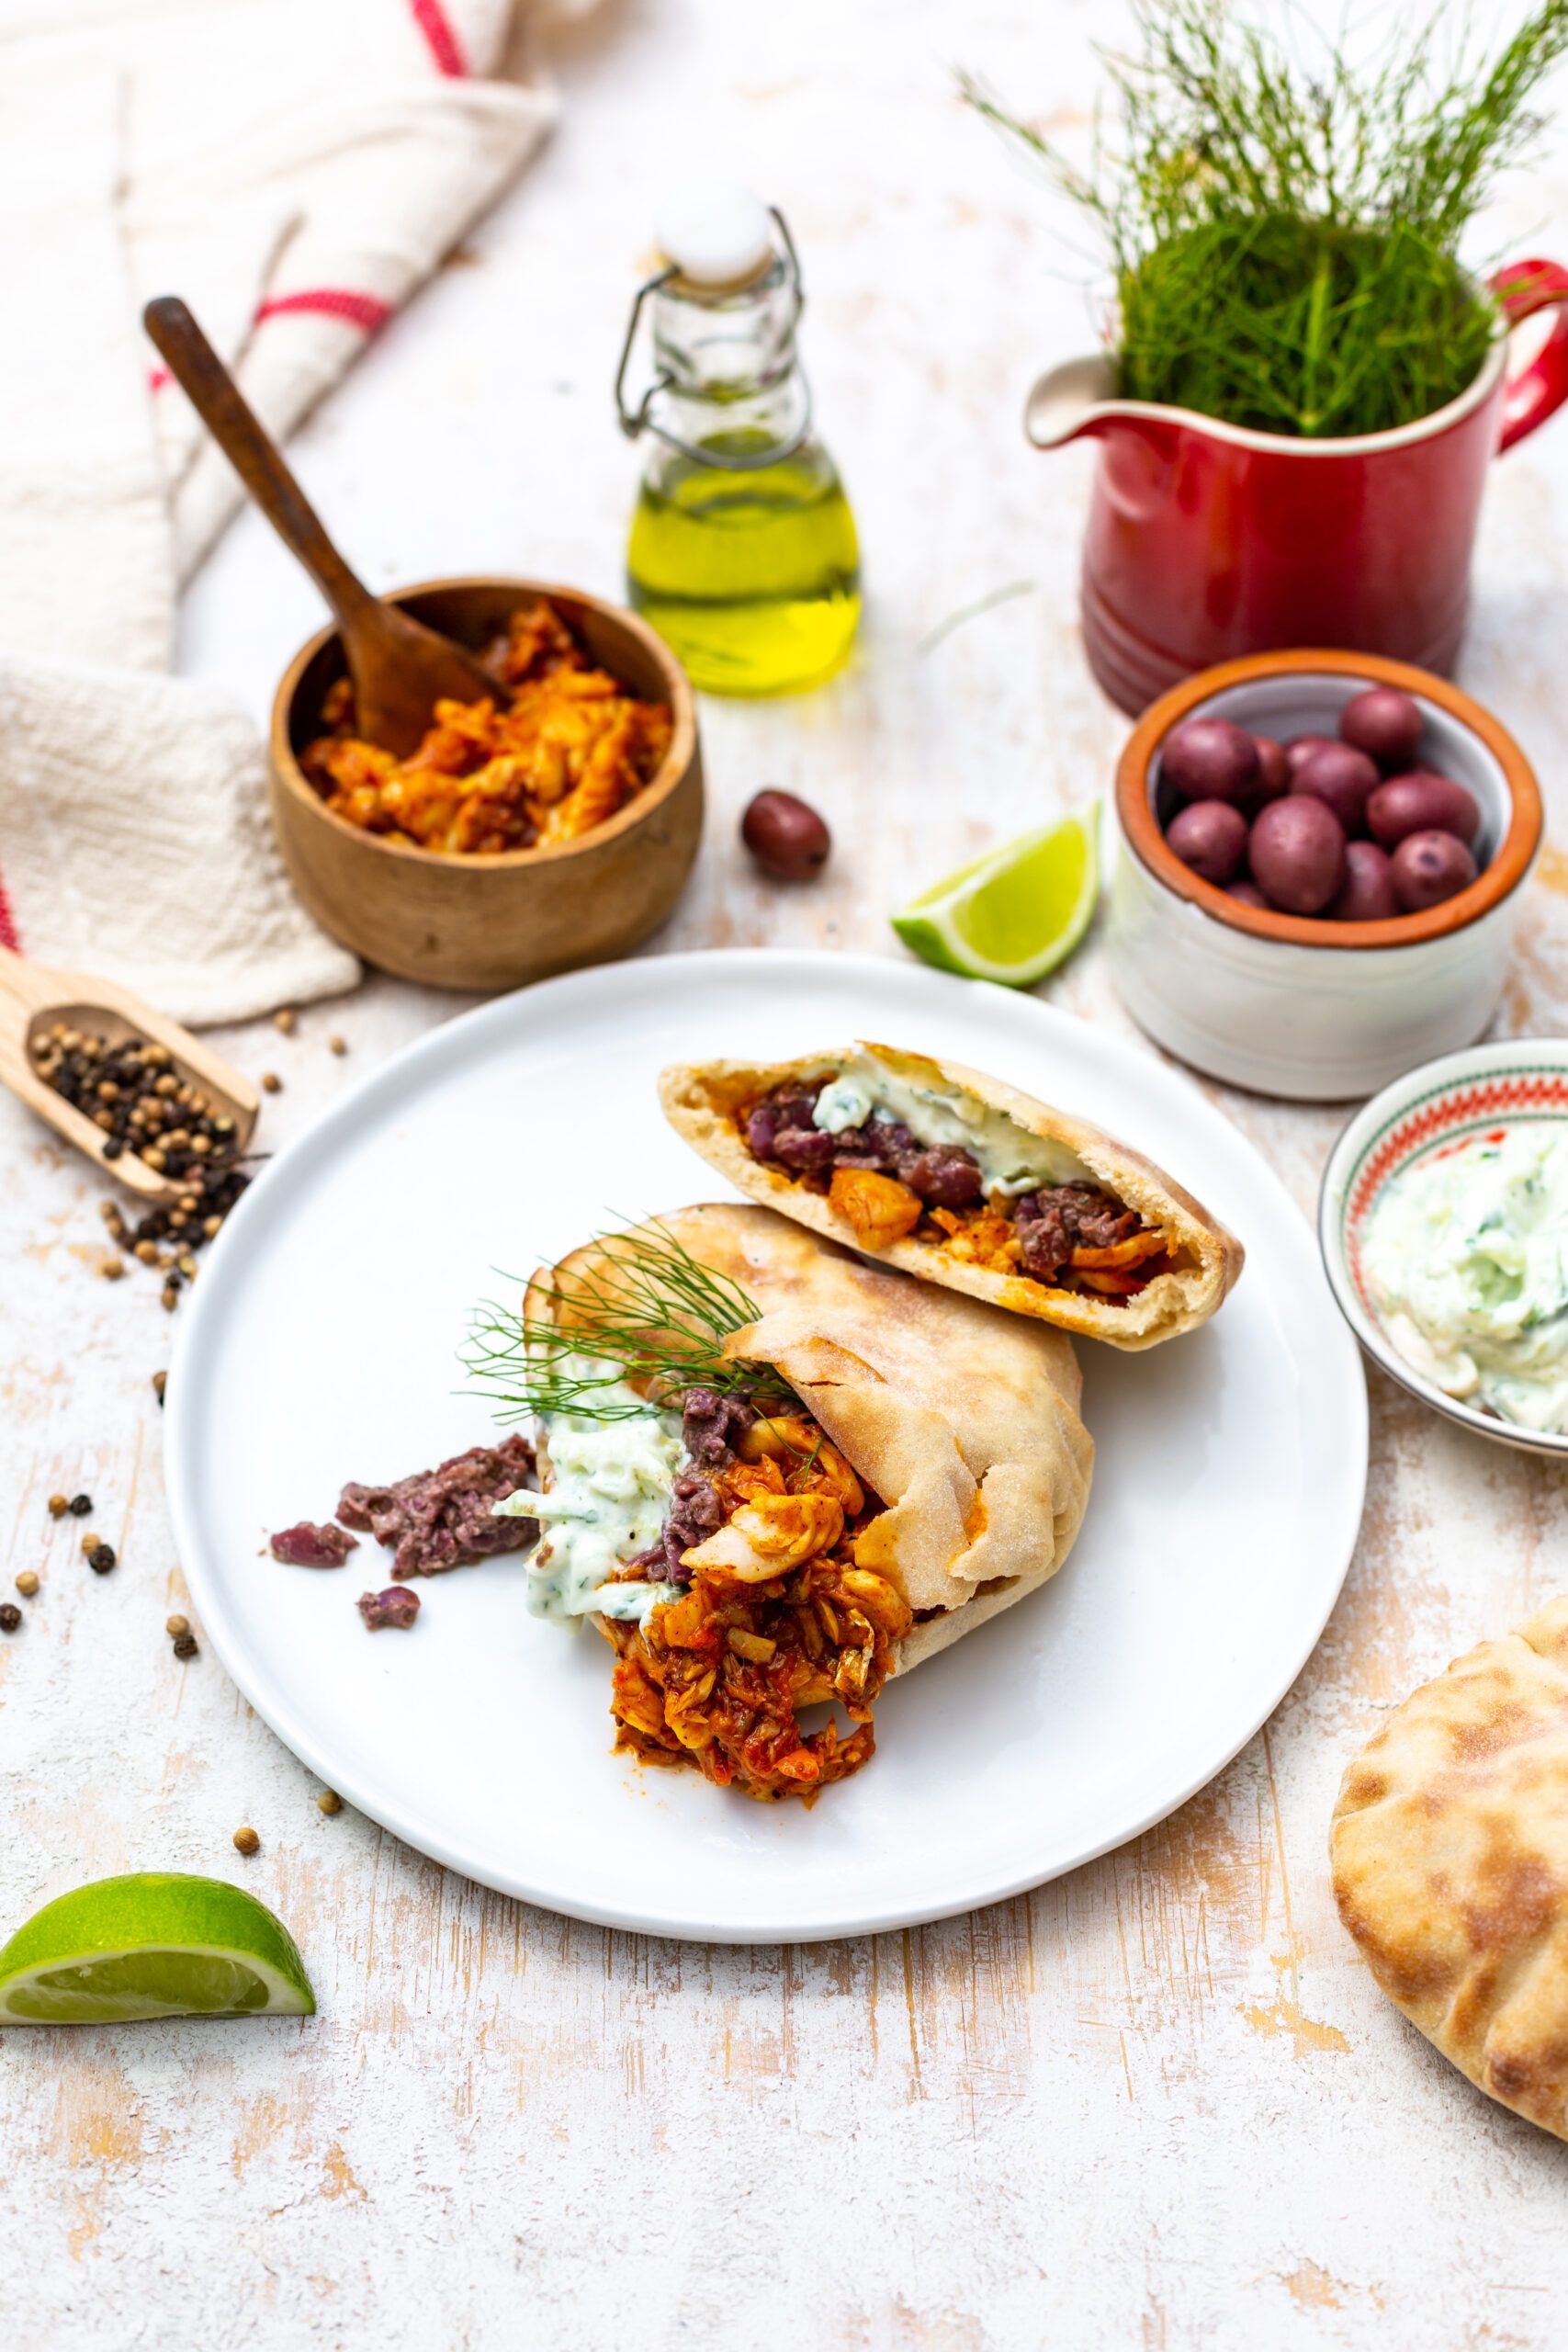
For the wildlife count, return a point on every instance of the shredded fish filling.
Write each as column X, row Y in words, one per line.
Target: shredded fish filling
column 776, row 1618
column 886, row 1184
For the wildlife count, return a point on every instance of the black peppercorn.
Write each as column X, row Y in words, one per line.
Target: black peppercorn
column 101, row 1559
column 79, row 1506
column 184, row 1644
column 10, row 1616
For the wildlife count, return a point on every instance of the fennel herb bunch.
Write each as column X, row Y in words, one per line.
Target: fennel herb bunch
column 640, row 1310
column 1285, row 242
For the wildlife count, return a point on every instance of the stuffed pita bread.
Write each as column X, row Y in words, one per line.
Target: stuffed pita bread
column 774, row 1475
column 1451, row 1864
column 954, row 1176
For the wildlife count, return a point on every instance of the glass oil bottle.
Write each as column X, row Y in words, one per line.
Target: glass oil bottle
column 742, row 552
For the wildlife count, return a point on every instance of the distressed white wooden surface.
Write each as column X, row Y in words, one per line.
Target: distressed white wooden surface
column 1158, row 2104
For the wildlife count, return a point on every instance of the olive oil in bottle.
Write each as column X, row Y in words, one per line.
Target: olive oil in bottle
column 742, row 552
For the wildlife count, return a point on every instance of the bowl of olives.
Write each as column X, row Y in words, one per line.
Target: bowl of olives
column 1320, row 862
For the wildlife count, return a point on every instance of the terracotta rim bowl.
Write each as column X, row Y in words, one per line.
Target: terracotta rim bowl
column 496, row 921
column 1509, row 863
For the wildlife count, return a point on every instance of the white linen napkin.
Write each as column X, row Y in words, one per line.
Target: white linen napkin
column 295, row 170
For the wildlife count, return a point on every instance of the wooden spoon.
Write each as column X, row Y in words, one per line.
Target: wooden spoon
column 32, row 999
column 400, row 668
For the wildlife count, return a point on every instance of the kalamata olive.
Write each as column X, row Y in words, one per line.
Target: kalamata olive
column 1297, row 853
column 1367, row 895
column 1422, row 802
column 1273, row 773
column 1428, row 867
column 1246, row 892
column 1210, row 837
column 1207, row 759
column 1302, row 747
column 1343, row 778
column 1385, row 724
column 785, row 836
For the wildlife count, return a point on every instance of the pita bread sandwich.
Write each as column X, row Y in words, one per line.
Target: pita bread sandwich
column 773, row 1476
column 1450, row 1850
column 959, row 1178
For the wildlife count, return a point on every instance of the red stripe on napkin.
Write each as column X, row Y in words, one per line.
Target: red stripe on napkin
column 7, row 922
column 442, row 42
column 367, row 312
column 364, row 310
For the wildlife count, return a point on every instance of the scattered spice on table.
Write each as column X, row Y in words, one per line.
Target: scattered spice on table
column 58, row 1506
column 329, row 1802
column 247, row 1841
column 271, row 1081
column 283, row 1019
column 336, row 1045
column 79, row 1506
column 176, row 1625
column 185, row 1645
column 133, row 1090
column 397, row 1607
column 27, row 1583
column 111, row 1267
column 161, row 1379
column 101, row 1559
column 11, row 1616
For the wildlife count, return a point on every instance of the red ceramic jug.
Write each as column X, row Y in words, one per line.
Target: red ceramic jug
column 1207, row 541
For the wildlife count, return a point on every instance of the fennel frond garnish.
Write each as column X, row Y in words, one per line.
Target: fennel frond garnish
column 643, row 1311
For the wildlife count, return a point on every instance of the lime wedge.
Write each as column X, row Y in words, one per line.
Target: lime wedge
column 1014, row 914
column 153, row 1945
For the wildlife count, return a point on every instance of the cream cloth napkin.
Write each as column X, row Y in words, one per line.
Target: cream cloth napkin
column 295, row 168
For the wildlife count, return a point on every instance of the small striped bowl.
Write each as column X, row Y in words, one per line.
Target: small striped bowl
column 1429, row 1111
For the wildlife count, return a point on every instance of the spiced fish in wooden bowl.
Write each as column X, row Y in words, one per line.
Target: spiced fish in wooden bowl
column 474, row 782
column 550, row 826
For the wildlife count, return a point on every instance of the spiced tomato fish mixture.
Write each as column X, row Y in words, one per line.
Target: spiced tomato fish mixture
column 773, row 1474
column 964, row 1181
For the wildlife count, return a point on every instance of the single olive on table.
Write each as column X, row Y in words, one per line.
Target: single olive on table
column 1350, row 828
column 785, row 836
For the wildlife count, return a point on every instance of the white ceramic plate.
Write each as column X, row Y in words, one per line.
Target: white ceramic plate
column 320, row 1345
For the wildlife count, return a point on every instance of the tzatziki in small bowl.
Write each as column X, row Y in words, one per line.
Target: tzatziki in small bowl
column 1444, row 1225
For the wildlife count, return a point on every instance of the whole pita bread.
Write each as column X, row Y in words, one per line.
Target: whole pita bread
column 1450, row 1851
column 701, row 1100
column 964, row 1419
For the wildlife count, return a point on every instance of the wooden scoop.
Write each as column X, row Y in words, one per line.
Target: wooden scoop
column 399, row 669
column 32, row 999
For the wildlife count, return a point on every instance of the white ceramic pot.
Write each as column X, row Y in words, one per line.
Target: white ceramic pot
column 1312, row 1010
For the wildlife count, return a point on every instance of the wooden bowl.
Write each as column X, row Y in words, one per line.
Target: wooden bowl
column 493, row 921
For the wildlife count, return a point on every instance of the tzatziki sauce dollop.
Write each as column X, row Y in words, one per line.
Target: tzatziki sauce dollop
column 1466, row 1256
column 610, row 1493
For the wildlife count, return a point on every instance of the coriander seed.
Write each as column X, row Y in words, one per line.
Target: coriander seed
column 176, row 1625
column 284, row 1020
column 271, row 1082
column 27, row 1583
column 247, row 1840
column 337, row 1045
column 58, row 1506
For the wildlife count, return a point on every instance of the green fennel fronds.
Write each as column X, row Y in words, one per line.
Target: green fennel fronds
column 1285, row 243
column 644, row 1311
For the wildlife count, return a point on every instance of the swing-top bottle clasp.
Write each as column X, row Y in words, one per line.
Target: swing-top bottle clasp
column 724, row 311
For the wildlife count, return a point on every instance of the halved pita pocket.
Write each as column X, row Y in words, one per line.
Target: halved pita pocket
column 919, row 1465
column 954, row 1176
column 1450, row 1852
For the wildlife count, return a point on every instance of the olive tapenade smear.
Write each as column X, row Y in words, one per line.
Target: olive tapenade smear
column 698, row 1515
